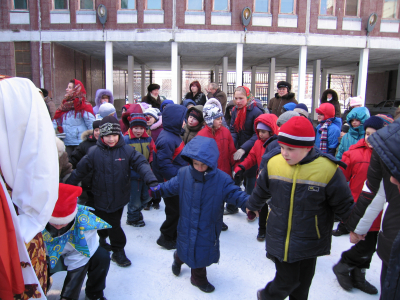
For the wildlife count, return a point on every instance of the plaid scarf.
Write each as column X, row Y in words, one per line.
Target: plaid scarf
column 323, row 145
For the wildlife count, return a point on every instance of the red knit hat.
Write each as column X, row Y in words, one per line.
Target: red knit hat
column 66, row 205
column 326, row 109
column 297, row 132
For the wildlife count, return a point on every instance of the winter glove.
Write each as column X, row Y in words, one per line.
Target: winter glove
column 239, row 174
column 155, row 191
column 238, row 154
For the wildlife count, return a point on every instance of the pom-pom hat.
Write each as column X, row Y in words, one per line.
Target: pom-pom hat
column 137, row 120
column 66, row 206
column 153, row 112
column 297, row 133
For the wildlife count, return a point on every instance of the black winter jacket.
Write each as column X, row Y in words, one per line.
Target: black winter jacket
column 111, row 173
column 334, row 101
column 199, row 98
column 299, row 224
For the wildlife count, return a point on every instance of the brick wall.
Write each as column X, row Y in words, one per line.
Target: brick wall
column 7, row 65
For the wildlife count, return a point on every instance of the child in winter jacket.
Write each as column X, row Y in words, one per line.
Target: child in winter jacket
column 328, row 129
column 194, row 117
column 103, row 96
column 137, row 137
column 350, row 270
column 265, row 127
column 167, row 161
column 306, row 189
column 111, row 161
column 355, row 118
column 202, row 190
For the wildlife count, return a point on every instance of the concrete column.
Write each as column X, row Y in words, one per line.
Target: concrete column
column 239, row 64
column 271, row 78
column 324, row 74
column 174, row 72
column 143, row 80
column 355, row 83
column 109, row 66
column 253, row 80
column 130, row 78
column 316, row 88
column 302, row 74
column 398, row 83
column 225, row 74
column 179, row 80
column 289, row 72
column 362, row 74
column 216, row 74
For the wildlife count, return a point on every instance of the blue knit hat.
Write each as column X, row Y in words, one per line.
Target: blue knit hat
column 374, row 122
column 302, row 109
column 289, row 106
column 211, row 111
column 137, row 120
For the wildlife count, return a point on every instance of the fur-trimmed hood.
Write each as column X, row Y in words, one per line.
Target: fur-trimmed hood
column 157, row 124
column 325, row 94
column 87, row 135
column 100, row 93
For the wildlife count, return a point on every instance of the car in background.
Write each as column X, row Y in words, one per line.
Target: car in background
column 384, row 107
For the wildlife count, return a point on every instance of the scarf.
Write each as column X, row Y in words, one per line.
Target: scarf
column 241, row 114
column 323, row 145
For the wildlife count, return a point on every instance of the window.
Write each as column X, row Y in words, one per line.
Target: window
column 221, row 5
column 86, row 4
column 154, row 4
column 389, row 9
column 261, row 6
column 351, row 8
column 287, row 7
column 327, row 7
column 60, row 4
column 20, row 4
column 23, row 66
column 128, row 4
column 194, row 4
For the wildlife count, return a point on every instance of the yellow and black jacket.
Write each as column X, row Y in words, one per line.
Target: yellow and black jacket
column 304, row 199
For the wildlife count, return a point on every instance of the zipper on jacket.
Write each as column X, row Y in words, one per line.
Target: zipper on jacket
column 296, row 171
column 316, row 226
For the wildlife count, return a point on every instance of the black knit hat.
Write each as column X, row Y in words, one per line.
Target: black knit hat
column 374, row 122
column 345, row 127
column 152, row 87
column 96, row 124
column 284, row 84
column 109, row 125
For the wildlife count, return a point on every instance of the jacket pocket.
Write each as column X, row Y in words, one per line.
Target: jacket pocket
column 316, row 226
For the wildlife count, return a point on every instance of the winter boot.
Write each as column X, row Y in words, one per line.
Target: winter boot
column 206, row 288
column 167, row 244
column 120, row 258
column 261, row 234
column 359, row 282
column 103, row 243
column 148, row 205
column 224, row 227
column 342, row 272
column 156, row 205
column 260, row 294
column 176, row 267
column 139, row 223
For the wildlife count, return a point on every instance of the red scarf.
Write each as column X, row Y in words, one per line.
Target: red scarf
column 241, row 114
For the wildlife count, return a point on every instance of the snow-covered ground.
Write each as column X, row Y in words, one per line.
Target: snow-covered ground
column 241, row 271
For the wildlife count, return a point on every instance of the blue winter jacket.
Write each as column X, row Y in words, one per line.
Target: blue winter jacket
column 74, row 126
column 333, row 135
column 354, row 134
column 169, row 140
column 201, row 203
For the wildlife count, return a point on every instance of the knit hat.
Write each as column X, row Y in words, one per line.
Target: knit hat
column 106, row 109
column 96, row 124
column 326, row 109
column 286, row 116
column 356, row 101
column 345, row 127
column 298, row 132
column 386, row 119
column 195, row 114
column 289, row 106
column 262, row 126
column 211, row 111
column 109, row 125
column 153, row 112
column 152, row 87
column 374, row 122
column 66, row 206
column 137, row 120
column 284, row 84
column 302, row 109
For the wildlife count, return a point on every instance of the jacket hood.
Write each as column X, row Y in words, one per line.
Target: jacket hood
column 325, row 94
column 186, row 102
column 173, row 116
column 269, row 120
column 203, row 149
column 87, row 135
column 386, row 143
column 326, row 109
column 166, row 102
column 199, row 109
column 100, row 93
column 157, row 124
column 359, row 113
column 133, row 108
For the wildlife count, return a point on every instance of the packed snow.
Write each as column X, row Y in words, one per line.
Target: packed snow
column 241, row 271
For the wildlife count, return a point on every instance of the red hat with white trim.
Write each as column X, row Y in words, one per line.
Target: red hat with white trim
column 297, row 133
column 66, row 205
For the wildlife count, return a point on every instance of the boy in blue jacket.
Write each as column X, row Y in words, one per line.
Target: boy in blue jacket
column 202, row 190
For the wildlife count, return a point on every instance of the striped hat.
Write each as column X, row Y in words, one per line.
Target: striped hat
column 297, row 132
column 137, row 120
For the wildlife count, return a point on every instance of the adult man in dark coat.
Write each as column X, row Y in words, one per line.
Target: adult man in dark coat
column 282, row 97
column 330, row 96
column 214, row 92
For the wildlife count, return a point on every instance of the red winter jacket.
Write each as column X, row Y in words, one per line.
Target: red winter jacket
column 357, row 159
column 225, row 145
column 256, row 153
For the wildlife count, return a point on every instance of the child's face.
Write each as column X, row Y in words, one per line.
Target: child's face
column 111, row 140
column 123, row 110
column 199, row 166
column 263, row 134
column 240, row 99
column 104, row 99
column 355, row 123
column 96, row 133
column 368, row 132
column 137, row 131
column 150, row 120
column 293, row 155
column 320, row 117
column 217, row 123
column 342, row 133
column 192, row 121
